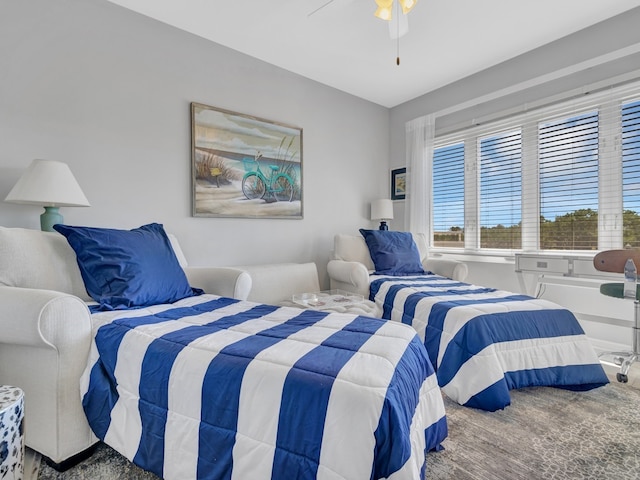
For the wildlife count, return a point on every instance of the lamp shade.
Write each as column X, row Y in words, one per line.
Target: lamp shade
column 382, row 209
column 48, row 183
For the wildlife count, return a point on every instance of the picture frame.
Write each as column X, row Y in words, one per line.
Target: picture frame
column 244, row 166
column 398, row 183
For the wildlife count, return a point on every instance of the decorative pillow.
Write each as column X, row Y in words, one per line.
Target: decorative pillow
column 393, row 253
column 128, row 268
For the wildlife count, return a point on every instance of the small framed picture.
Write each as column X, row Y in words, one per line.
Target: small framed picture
column 398, row 183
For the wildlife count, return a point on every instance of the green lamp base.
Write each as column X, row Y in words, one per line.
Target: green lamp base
column 49, row 218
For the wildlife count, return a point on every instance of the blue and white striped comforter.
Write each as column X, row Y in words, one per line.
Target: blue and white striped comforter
column 484, row 342
column 215, row 388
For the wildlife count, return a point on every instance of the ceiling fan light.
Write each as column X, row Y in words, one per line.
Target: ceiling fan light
column 384, row 9
column 407, row 5
column 383, row 13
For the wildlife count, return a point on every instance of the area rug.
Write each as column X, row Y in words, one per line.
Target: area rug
column 545, row 433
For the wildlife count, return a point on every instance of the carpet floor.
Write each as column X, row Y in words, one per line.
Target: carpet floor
column 545, row 433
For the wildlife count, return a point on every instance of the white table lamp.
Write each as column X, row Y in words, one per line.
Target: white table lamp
column 51, row 184
column 382, row 210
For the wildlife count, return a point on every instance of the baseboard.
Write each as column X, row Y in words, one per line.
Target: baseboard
column 601, row 346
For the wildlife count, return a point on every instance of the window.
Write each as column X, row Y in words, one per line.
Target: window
column 631, row 173
column 448, row 196
column 565, row 177
column 500, row 190
column 568, row 156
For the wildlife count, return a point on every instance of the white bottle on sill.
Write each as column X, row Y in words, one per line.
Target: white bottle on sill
column 630, row 279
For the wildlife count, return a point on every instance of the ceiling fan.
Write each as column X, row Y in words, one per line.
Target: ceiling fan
column 393, row 12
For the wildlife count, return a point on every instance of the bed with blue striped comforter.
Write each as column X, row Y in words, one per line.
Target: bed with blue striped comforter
column 215, row 388
column 484, row 342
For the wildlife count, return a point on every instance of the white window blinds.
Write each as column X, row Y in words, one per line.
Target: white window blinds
column 568, row 168
column 501, row 190
column 565, row 177
column 448, row 196
column 631, row 172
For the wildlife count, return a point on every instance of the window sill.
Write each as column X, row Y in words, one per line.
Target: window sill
column 470, row 256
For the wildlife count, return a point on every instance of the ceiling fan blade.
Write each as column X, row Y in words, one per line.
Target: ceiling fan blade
column 320, row 7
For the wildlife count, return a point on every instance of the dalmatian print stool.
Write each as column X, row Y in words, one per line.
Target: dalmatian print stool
column 11, row 433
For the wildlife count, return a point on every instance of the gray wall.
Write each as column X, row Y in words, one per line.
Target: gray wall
column 108, row 92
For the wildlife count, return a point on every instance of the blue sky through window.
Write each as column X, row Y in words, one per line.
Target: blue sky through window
column 501, row 179
column 568, row 155
column 631, row 155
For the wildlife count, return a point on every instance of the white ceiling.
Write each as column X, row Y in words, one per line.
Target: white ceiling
column 344, row 46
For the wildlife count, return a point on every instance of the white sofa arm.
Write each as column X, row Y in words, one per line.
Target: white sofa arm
column 453, row 269
column 45, row 341
column 274, row 283
column 223, row 281
column 349, row 276
column 44, row 318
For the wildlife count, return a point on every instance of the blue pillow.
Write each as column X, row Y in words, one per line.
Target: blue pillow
column 393, row 253
column 128, row 268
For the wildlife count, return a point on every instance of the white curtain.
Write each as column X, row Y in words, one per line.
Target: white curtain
column 419, row 141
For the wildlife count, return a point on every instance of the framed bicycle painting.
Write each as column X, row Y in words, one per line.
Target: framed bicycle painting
column 244, row 166
column 398, row 184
